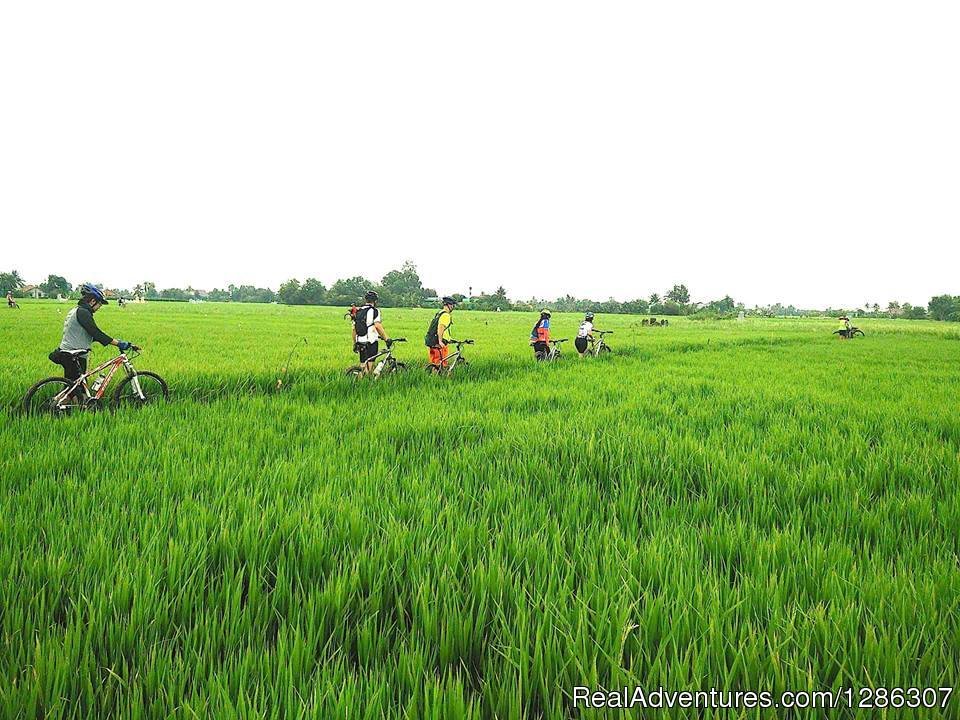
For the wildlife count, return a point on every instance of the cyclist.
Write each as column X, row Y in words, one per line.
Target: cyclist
column 584, row 335
column 367, row 331
column 11, row 303
column 80, row 332
column 844, row 327
column 438, row 333
column 540, row 335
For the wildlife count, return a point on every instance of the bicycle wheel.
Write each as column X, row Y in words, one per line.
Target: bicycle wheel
column 42, row 397
column 355, row 371
column 856, row 332
column 603, row 350
column 152, row 389
column 433, row 369
column 394, row 366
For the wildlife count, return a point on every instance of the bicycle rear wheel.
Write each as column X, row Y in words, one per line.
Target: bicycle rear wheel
column 149, row 388
column 43, row 397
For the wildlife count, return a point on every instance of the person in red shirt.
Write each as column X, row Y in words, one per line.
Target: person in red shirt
column 540, row 335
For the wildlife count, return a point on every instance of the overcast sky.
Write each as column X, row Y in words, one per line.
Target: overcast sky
column 804, row 152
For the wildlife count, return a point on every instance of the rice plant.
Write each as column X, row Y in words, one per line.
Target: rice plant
column 745, row 505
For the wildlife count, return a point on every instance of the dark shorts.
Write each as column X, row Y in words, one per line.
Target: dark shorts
column 73, row 365
column 581, row 344
column 541, row 348
column 367, row 350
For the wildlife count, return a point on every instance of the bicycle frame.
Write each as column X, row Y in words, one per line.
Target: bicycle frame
column 597, row 345
column 114, row 364
column 554, row 351
column 453, row 360
column 380, row 355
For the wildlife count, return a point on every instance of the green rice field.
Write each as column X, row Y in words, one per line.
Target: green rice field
column 741, row 505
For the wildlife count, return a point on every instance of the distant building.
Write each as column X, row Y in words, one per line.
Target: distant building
column 33, row 291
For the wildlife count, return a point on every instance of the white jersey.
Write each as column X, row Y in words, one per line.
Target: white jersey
column 373, row 316
column 586, row 328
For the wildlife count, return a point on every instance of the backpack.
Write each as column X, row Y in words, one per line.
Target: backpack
column 536, row 326
column 360, row 320
column 432, row 338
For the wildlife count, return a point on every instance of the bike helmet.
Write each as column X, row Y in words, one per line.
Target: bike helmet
column 447, row 300
column 371, row 296
column 545, row 313
column 588, row 316
column 93, row 291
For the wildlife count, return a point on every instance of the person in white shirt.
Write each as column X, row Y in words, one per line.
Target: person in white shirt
column 584, row 335
column 367, row 331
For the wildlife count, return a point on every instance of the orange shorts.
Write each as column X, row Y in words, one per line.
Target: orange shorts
column 438, row 355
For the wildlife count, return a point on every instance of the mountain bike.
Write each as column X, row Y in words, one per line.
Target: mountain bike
column 59, row 396
column 553, row 353
column 598, row 346
column 384, row 362
column 852, row 332
column 453, row 360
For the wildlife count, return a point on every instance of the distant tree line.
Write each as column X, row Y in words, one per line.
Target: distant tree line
column 398, row 288
column 404, row 288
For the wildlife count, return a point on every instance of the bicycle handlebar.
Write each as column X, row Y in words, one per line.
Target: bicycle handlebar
column 604, row 332
column 459, row 342
column 391, row 341
column 560, row 340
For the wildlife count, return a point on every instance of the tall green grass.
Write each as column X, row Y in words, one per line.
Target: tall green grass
column 741, row 505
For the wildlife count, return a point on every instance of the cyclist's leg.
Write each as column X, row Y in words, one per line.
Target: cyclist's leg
column 75, row 367
column 366, row 352
column 439, row 355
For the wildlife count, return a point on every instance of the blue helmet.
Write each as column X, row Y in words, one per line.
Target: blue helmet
column 93, row 291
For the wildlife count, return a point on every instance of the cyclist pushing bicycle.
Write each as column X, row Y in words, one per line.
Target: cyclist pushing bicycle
column 80, row 331
column 540, row 336
column 438, row 333
column 584, row 335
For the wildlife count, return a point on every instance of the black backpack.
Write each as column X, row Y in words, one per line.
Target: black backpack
column 432, row 338
column 360, row 320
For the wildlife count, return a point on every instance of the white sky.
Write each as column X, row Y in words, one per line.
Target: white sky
column 612, row 148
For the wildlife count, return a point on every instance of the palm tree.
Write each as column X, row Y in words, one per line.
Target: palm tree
column 11, row 281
